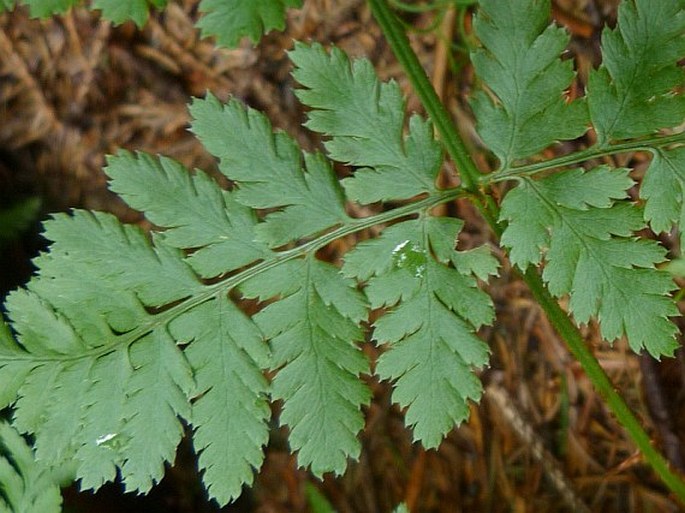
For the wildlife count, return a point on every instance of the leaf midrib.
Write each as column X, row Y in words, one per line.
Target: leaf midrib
column 161, row 319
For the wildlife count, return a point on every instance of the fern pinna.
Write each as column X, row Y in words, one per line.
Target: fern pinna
column 122, row 337
column 228, row 21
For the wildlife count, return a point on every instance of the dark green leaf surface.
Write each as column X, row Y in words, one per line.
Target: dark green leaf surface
column 229, row 21
column 45, row 8
column 119, row 11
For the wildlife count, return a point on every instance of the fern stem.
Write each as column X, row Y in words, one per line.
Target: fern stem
column 456, row 148
column 647, row 144
column 602, row 383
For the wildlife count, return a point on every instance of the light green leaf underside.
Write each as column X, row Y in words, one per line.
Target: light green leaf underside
column 662, row 189
column 631, row 94
column 313, row 330
column 313, row 327
column 156, row 395
column 121, row 337
column 69, row 398
column 109, row 400
column 197, row 212
column 519, row 62
column 365, row 121
column 25, row 486
column 574, row 220
column 269, row 170
column 230, row 410
column 433, row 313
column 231, row 20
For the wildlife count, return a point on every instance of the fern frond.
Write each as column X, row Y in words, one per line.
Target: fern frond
column 25, row 486
column 45, row 8
column 69, row 398
column 196, row 213
column 434, row 312
column 631, row 94
column 365, row 122
column 663, row 188
column 227, row 20
column 313, row 329
column 66, row 344
column 573, row 218
column 231, row 20
column 120, row 11
column 230, row 413
column 121, row 337
column 430, row 361
column 269, row 168
column 519, row 63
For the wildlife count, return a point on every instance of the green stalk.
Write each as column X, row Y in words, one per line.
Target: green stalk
column 569, row 332
column 470, row 176
column 595, row 152
column 396, row 36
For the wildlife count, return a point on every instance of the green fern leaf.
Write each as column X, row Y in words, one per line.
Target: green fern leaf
column 131, row 328
column 313, row 329
column 231, row 20
column 364, row 120
column 230, row 411
column 586, row 236
column 66, row 343
column 435, row 310
column 209, row 218
column 519, row 62
column 119, row 11
column 227, row 20
column 45, row 8
column 156, row 395
column 131, row 422
column 354, row 109
column 201, row 223
column 25, row 486
column 631, row 94
column 268, row 169
column 102, row 447
column 662, row 188
column 121, row 337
